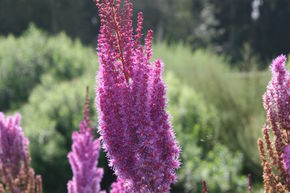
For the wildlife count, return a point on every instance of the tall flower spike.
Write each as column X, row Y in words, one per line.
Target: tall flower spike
column 84, row 158
column 276, row 165
column 134, row 125
column 15, row 171
column 277, row 97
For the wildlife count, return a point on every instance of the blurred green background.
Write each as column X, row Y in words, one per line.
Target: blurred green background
column 216, row 53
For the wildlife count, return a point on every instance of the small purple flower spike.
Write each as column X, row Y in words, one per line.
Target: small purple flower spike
column 84, row 158
column 13, row 143
column 14, row 154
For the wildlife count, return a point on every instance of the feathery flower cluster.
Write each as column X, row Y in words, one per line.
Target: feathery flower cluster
column 84, row 158
column 131, row 102
column 15, row 171
column 277, row 97
column 120, row 186
column 276, row 168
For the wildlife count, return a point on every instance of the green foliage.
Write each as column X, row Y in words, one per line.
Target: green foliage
column 196, row 124
column 236, row 96
column 193, row 119
column 24, row 60
column 221, row 169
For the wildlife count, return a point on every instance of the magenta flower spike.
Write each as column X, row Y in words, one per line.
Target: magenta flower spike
column 84, row 158
column 13, row 150
column 13, row 144
column 277, row 97
column 131, row 102
column 277, row 106
column 16, row 174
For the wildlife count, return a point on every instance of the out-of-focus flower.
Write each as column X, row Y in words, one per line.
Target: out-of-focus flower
column 84, row 158
column 15, row 171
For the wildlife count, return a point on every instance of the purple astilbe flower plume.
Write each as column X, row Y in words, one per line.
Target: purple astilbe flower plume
column 277, row 106
column 15, row 171
column 13, row 148
column 133, row 123
column 276, row 156
column 277, row 97
column 84, row 158
column 13, row 145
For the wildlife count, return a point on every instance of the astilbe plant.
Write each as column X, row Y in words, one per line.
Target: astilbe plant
column 133, row 122
column 275, row 151
column 84, row 158
column 16, row 174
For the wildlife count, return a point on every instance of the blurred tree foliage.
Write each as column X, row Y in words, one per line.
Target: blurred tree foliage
column 263, row 24
column 24, row 60
column 197, row 125
column 225, row 26
column 236, row 96
column 76, row 17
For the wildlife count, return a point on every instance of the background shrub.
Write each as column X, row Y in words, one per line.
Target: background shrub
column 236, row 96
column 197, row 126
column 24, row 60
